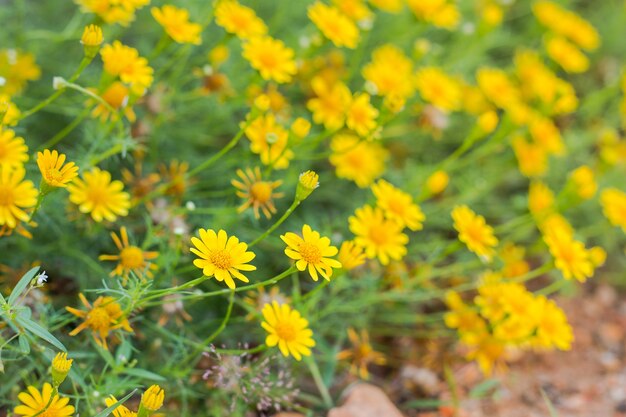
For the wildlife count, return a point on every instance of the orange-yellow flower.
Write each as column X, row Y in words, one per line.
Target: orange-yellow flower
column 312, row 252
column 131, row 258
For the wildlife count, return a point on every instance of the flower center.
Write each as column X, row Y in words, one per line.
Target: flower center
column 268, row 60
column 7, row 197
column 221, row 259
column 53, row 175
column 131, row 257
column 99, row 319
column 286, row 331
column 379, row 235
column 261, row 192
column 310, row 253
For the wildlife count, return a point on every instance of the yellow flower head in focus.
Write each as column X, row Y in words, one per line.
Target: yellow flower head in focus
column 221, row 256
column 258, row 194
column 439, row 89
column 54, row 171
column 103, row 317
column 152, row 399
column 92, row 36
column 614, row 206
column 378, row 236
column 43, row 403
column 176, row 23
column 334, row 25
column 99, row 196
column 287, row 329
column 16, row 195
column 398, row 205
column 13, row 150
column 361, row 354
column 308, row 181
column 131, row 258
column 350, row 255
column 356, row 160
column 311, row 252
column 60, row 368
column 271, row 58
column 239, row 20
column 474, row 232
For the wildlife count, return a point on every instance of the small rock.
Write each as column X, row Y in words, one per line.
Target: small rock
column 366, row 400
column 422, row 378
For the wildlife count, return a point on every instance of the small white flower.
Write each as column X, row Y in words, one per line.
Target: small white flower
column 190, row 205
column 42, row 279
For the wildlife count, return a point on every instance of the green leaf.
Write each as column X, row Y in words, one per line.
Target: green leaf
column 109, row 410
column 143, row 374
column 24, row 345
column 22, row 284
column 40, row 332
column 551, row 408
column 482, row 389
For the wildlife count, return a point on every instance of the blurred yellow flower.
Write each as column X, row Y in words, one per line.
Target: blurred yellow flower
column 398, row 205
column 552, row 328
column 271, row 58
column 361, row 115
column 532, row 159
column 13, row 149
column 441, row 13
column 16, row 195
column 125, row 62
column 584, row 182
column 259, row 194
column 269, row 140
column 570, row 58
column 540, row 199
column 287, row 329
column 379, row 237
column 437, row 182
column 113, row 11
column 239, row 20
column 221, row 256
column 334, row 25
column 570, row 255
column 567, row 23
column 311, row 252
column 131, row 258
column 350, row 255
column 614, row 206
column 356, row 160
column 16, row 69
column 45, row 403
column 117, row 96
column 361, row 353
column 176, row 23
column 96, row 194
column 474, row 232
column 54, row 171
column 120, row 410
column 390, row 72
column 330, row 104
column 439, row 89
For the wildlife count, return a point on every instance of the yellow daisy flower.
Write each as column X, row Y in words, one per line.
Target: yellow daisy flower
column 335, row 25
column 152, row 399
column 361, row 354
column 379, row 237
column 104, row 316
column 361, row 115
column 439, row 89
column 239, row 20
column 13, row 149
column 330, row 103
column 350, row 255
column 117, row 97
column 125, row 62
column 570, row 255
column 270, row 141
column 43, row 403
column 16, row 69
column 312, row 252
column 222, row 257
column 398, row 205
column 437, row 182
column 131, row 258
column 54, row 170
column 259, row 194
column 356, row 160
column 287, row 329
column 271, row 58
column 474, row 232
column 390, row 72
column 97, row 195
column 614, row 206
column 16, row 194
column 176, row 23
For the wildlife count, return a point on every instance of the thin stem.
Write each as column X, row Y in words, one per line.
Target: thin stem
column 317, row 377
column 221, row 153
column 65, row 131
column 280, row 221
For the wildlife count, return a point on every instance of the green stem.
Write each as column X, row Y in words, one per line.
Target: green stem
column 317, row 377
column 280, row 221
column 221, row 153
column 65, row 131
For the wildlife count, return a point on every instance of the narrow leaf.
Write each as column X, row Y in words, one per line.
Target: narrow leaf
column 40, row 332
column 109, row 410
column 143, row 374
column 24, row 345
column 22, row 284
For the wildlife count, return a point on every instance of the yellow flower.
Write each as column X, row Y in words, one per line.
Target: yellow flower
column 398, row 205
column 104, row 316
column 92, row 36
column 379, row 237
column 131, row 258
column 239, row 20
column 362, row 354
column 570, row 58
column 498, row 87
column 176, row 23
column 16, row 194
column 441, row 13
column 97, row 195
column 269, row 140
column 350, row 255
column 300, row 127
column 175, row 175
column 532, row 159
column 16, row 69
column 552, row 328
column 540, row 199
column 271, row 58
column 570, row 255
column 259, row 194
column 356, row 10
column 117, row 97
column 390, row 72
column 222, row 257
column 152, row 399
column 474, row 232
column 334, row 25
column 311, row 252
column 439, row 89
column 567, row 23
column 488, row 121
column 43, row 403
column 60, row 368
column 287, row 329
column 361, row 115
column 125, row 62
column 358, row 161
column 462, row 317
column 120, row 410
column 308, row 181
column 9, row 113
column 54, row 171
column 330, row 103
column 390, row 6
column 614, row 206
column 13, row 150
column 437, row 182
column 113, row 11
column 546, row 134
column 584, row 182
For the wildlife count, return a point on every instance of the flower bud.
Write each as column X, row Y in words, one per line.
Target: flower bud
column 437, row 182
column 151, row 401
column 91, row 40
column 307, row 183
column 60, row 368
